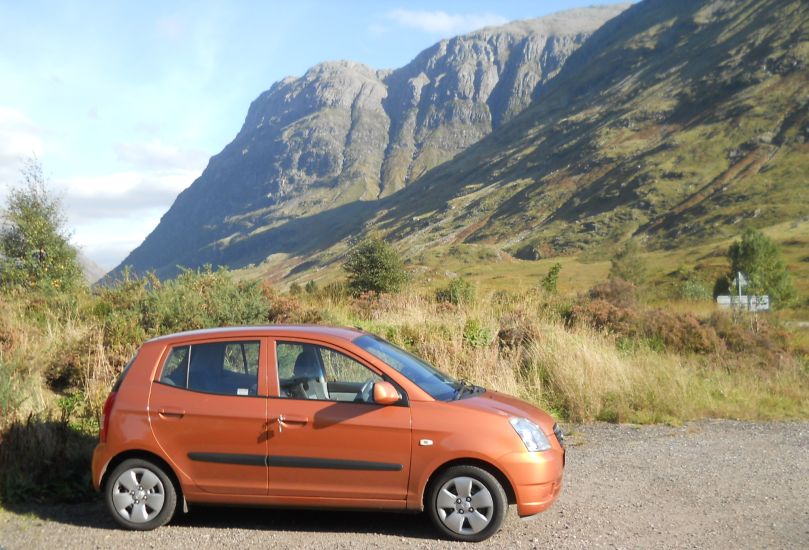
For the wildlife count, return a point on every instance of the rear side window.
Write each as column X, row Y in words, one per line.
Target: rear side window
column 229, row 368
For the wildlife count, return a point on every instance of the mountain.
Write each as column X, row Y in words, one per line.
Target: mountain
column 344, row 133
column 677, row 123
column 91, row 270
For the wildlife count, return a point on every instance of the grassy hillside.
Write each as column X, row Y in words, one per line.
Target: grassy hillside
column 678, row 123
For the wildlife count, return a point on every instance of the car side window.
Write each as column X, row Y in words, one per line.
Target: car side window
column 229, row 368
column 309, row 371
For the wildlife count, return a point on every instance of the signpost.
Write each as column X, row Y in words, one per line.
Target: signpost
column 741, row 300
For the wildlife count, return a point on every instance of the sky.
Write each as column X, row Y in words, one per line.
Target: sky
column 123, row 103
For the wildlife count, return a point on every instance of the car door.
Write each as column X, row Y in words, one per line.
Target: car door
column 324, row 440
column 208, row 411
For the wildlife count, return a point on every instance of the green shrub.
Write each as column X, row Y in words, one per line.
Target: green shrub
column 34, row 248
column 458, row 291
column 196, row 299
column 759, row 259
column 475, row 334
column 551, row 279
column 374, row 266
column 694, row 291
column 336, row 291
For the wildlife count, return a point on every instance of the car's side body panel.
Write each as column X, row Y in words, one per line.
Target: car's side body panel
column 339, row 450
column 217, row 440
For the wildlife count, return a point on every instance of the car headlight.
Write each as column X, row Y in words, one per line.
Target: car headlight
column 533, row 437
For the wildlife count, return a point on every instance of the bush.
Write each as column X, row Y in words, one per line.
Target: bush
column 759, row 259
column 517, row 330
column 475, row 334
column 551, row 279
column 694, row 291
column 618, row 292
column 657, row 328
column 458, row 291
column 34, row 247
column 196, row 299
column 374, row 266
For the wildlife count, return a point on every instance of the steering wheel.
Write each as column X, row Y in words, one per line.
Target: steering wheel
column 366, row 394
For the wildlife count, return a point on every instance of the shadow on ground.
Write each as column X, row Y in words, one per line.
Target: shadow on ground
column 94, row 515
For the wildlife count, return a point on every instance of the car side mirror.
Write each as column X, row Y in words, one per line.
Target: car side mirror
column 385, row 393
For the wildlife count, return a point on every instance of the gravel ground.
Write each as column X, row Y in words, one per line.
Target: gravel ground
column 715, row 484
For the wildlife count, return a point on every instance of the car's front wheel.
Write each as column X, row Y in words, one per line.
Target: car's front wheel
column 467, row 503
column 140, row 495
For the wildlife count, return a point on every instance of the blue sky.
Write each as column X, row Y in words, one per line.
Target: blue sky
column 124, row 102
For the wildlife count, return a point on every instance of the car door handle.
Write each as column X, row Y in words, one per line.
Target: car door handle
column 287, row 420
column 171, row 413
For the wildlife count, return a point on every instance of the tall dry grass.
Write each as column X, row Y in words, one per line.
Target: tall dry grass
column 521, row 345
column 534, row 345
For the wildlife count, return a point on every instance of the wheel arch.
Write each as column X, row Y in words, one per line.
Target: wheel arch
column 483, row 465
column 143, row 455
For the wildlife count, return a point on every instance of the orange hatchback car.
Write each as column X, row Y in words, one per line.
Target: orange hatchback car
column 317, row 417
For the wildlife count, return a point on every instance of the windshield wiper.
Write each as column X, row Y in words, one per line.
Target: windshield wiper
column 464, row 387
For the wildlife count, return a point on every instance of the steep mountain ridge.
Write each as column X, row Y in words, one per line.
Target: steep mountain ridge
column 676, row 122
column 344, row 132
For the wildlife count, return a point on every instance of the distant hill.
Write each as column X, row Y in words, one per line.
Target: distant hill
column 344, row 132
column 674, row 122
column 91, row 270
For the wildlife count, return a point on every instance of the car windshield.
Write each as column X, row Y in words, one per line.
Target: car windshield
column 439, row 385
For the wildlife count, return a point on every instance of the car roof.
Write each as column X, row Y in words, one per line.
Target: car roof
column 342, row 333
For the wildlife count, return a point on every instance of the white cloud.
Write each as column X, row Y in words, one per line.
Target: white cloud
column 158, row 155
column 19, row 139
column 111, row 214
column 441, row 22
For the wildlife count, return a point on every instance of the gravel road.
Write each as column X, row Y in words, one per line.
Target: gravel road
column 714, row 484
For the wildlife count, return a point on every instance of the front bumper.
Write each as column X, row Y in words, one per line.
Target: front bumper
column 536, row 478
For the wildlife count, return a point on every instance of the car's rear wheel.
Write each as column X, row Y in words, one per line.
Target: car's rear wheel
column 466, row 503
column 140, row 495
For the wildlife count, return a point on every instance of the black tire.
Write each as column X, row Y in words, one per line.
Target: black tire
column 127, row 492
column 441, row 514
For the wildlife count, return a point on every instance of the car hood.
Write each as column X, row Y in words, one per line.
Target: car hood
column 506, row 405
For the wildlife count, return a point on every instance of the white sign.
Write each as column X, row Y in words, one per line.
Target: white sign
column 748, row 303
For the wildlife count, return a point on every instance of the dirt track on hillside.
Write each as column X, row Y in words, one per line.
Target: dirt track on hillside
column 704, row 485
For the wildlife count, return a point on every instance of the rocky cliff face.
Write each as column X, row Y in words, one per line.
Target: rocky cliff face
column 344, row 132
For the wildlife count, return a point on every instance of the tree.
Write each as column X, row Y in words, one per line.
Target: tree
column 551, row 278
column 374, row 266
column 628, row 265
column 33, row 240
column 759, row 259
